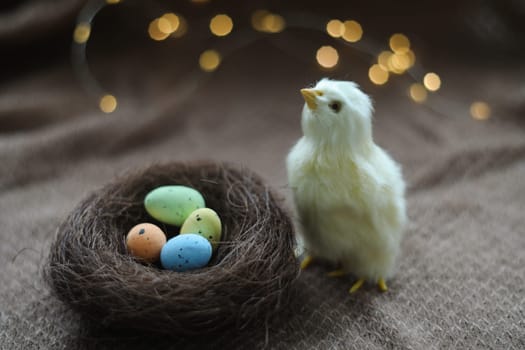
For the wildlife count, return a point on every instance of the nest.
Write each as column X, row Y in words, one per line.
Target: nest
column 248, row 280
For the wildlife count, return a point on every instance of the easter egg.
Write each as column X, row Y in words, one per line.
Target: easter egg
column 145, row 241
column 173, row 204
column 205, row 222
column 186, row 252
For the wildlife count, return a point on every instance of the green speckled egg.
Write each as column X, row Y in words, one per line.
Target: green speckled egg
column 206, row 223
column 173, row 204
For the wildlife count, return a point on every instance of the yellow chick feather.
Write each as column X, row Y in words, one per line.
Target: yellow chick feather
column 349, row 193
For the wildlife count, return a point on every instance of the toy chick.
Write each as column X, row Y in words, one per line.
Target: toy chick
column 349, row 193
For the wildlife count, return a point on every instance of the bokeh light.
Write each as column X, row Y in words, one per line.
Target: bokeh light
column 181, row 29
column 398, row 63
column 480, row 110
column 267, row 22
column 383, row 59
column 378, row 75
column 417, row 93
column 353, row 31
column 108, row 103
column 411, row 57
column 273, row 23
column 209, row 60
column 164, row 26
column 173, row 20
column 399, row 43
column 155, row 32
column 432, row 81
column 335, row 28
column 81, row 33
column 327, row 56
column 112, row 2
column 221, row 25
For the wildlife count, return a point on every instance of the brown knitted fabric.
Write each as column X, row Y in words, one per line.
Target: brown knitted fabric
column 460, row 281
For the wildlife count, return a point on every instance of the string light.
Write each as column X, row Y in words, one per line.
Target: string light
column 432, row 81
column 273, row 23
column 480, row 110
column 383, row 58
column 267, row 22
column 399, row 63
column 411, row 58
column 209, row 60
column 155, row 32
column 108, row 104
column 327, row 56
column 82, row 33
column 173, row 20
column 335, row 28
column 221, row 25
column 181, row 29
column 353, row 31
column 400, row 59
column 417, row 93
column 399, row 43
column 378, row 75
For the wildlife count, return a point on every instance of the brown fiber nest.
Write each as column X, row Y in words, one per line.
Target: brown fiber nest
column 247, row 282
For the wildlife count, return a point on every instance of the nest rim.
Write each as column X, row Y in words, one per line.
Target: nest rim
column 248, row 281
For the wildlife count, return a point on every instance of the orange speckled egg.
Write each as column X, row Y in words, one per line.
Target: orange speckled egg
column 145, row 241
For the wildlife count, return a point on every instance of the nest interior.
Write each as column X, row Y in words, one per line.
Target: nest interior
column 248, row 280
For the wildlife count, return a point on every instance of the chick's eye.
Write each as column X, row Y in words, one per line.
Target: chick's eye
column 335, row 106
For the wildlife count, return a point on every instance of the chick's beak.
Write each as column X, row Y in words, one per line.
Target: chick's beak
column 310, row 96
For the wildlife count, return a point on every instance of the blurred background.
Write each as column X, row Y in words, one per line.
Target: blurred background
column 90, row 89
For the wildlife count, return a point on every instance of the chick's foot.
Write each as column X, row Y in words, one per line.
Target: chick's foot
column 382, row 285
column 306, row 262
column 337, row 273
column 357, row 285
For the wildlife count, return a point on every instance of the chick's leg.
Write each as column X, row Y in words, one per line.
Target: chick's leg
column 307, row 260
column 337, row 273
column 357, row 285
column 382, row 285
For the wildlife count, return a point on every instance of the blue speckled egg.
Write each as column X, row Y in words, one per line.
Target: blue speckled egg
column 186, row 252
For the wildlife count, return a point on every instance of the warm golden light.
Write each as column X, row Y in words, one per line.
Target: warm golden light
column 399, row 63
column 399, row 43
column 480, row 110
column 81, row 33
column 173, row 21
column 112, row 2
column 258, row 18
column 335, row 28
column 265, row 21
column 108, row 103
column 221, row 25
column 209, row 60
column 273, row 23
column 155, row 32
column 353, row 31
column 378, row 75
column 181, row 29
column 411, row 58
column 432, row 81
column 383, row 59
column 417, row 93
column 327, row 57
column 164, row 25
